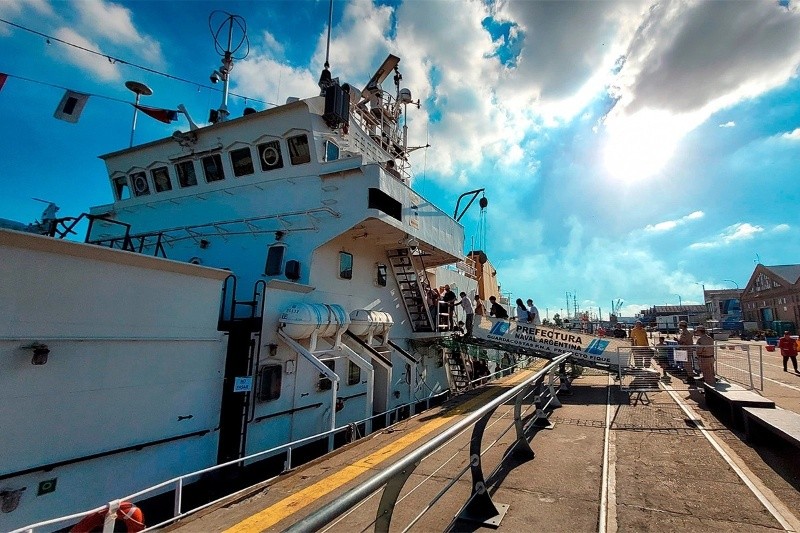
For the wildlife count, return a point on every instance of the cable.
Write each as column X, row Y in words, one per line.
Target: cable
column 66, row 88
column 114, row 60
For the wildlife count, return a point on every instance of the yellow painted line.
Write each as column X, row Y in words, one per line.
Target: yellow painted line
column 280, row 510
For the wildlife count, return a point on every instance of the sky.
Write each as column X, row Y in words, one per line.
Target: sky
column 629, row 150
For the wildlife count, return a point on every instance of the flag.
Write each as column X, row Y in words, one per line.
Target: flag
column 3, row 78
column 71, row 106
column 164, row 115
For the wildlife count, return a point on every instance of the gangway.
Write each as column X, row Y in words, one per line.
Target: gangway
column 604, row 353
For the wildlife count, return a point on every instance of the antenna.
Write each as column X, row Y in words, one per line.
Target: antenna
column 224, row 71
column 373, row 85
column 325, row 79
column 139, row 89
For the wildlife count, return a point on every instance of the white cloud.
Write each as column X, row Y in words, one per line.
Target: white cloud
column 668, row 225
column 729, row 124
column 781, row 228
column 741, row 231
column 13, row 8
column 793, row 135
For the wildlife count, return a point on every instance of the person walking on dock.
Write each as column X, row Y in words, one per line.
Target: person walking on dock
column 705, row 355
column 788, row 349
column 522, row 312
column 685, row 342
column 641, row 346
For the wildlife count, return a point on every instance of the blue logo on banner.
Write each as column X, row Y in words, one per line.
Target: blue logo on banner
column 597, row 346
column 499, row 328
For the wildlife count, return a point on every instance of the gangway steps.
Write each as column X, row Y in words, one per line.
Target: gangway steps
column 408, row 278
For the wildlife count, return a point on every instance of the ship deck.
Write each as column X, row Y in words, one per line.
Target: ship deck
column 610, row 461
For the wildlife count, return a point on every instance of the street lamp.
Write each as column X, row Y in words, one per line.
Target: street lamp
column 679, row 300
column 737, row 285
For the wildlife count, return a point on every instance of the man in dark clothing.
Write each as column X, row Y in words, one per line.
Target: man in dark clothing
column 497, row 310
column 619, row 333
column 788, row 348
column 449, row 298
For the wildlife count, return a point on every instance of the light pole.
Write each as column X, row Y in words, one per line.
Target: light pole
column 736, row 284
column 680, row 303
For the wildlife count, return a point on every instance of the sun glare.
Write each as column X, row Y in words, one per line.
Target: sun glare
column 640, row 145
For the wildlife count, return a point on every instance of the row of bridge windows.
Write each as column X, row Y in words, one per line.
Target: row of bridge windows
column 270, row 157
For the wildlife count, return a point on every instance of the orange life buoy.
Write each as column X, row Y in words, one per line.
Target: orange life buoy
column 128, row 513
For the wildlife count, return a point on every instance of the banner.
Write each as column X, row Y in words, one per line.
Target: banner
column 680, row 355
column 521, row 336
column 71, row 106
column 163, row 115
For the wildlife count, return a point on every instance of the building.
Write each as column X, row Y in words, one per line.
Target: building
column 667, row 317
column 724, row 308
column 771, row 298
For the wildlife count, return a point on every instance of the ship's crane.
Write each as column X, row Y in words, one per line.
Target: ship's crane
column 615, row 308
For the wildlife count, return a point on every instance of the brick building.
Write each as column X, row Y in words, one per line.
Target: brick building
column 772, row 295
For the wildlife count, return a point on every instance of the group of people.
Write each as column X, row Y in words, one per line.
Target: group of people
column 444, row 301
column 528, row 313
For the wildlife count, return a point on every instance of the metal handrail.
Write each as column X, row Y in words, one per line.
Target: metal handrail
column 393, row 478
column 178, row 482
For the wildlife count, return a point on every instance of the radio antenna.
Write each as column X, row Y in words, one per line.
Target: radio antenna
column 227, row 53
column 325, row 78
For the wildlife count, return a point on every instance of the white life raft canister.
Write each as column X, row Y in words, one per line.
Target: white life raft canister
column 300, row 321
column 363, row 322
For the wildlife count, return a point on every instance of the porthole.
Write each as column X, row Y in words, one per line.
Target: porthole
column 270, row 156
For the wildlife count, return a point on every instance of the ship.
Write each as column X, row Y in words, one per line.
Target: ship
column 255, row 281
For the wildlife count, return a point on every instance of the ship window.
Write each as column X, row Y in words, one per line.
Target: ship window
column 161, row 179
column 269, row 383
column 381, row 279
column 377, row 199
column 298, row 149
column 274, row 264
column 242, row 162
column 345, row 265
column 186, row 174
column 212, row 166
column 121, row 188
column 353, row 374
column 140, row 185
column 270, row 155
column 325, row 383
column 331, row 151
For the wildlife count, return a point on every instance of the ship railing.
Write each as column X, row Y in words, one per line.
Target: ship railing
column 479, row 507
column 381, row 124
column 391, row 416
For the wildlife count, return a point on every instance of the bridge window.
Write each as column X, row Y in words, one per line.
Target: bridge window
column 121, row 188
column 140, row 185
column 270, row 155
column 298, row 149
column 381, row 278
column 331, row 151
column 345, row 265
column 353, row 374
column 212, row 166
column 324, row 382
column 269, row 383
column 377, row 199
column 186, row 174
column 161, row 181
column 274, row 264
column 242, row 162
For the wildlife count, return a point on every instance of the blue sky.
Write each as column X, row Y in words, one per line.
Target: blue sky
column 629, row 150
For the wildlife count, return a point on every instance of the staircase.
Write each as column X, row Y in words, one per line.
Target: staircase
column 410, row 274
column 457, row 371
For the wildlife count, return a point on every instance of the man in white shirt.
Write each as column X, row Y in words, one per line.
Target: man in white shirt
column 533, row 311
column 466, row 304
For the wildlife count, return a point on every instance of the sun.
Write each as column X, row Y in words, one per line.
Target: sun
column 639, row 146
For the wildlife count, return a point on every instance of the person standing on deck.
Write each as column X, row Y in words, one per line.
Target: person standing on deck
column 522, row 312
column 496, row 310
column 449, row 298
column 685, row 342
column 705, row 355
column 466, row 304
column 533, row 312
column 640, row 344
column 788, row 349
column 480, row 310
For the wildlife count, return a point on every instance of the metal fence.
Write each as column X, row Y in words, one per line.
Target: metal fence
column 647, row 366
